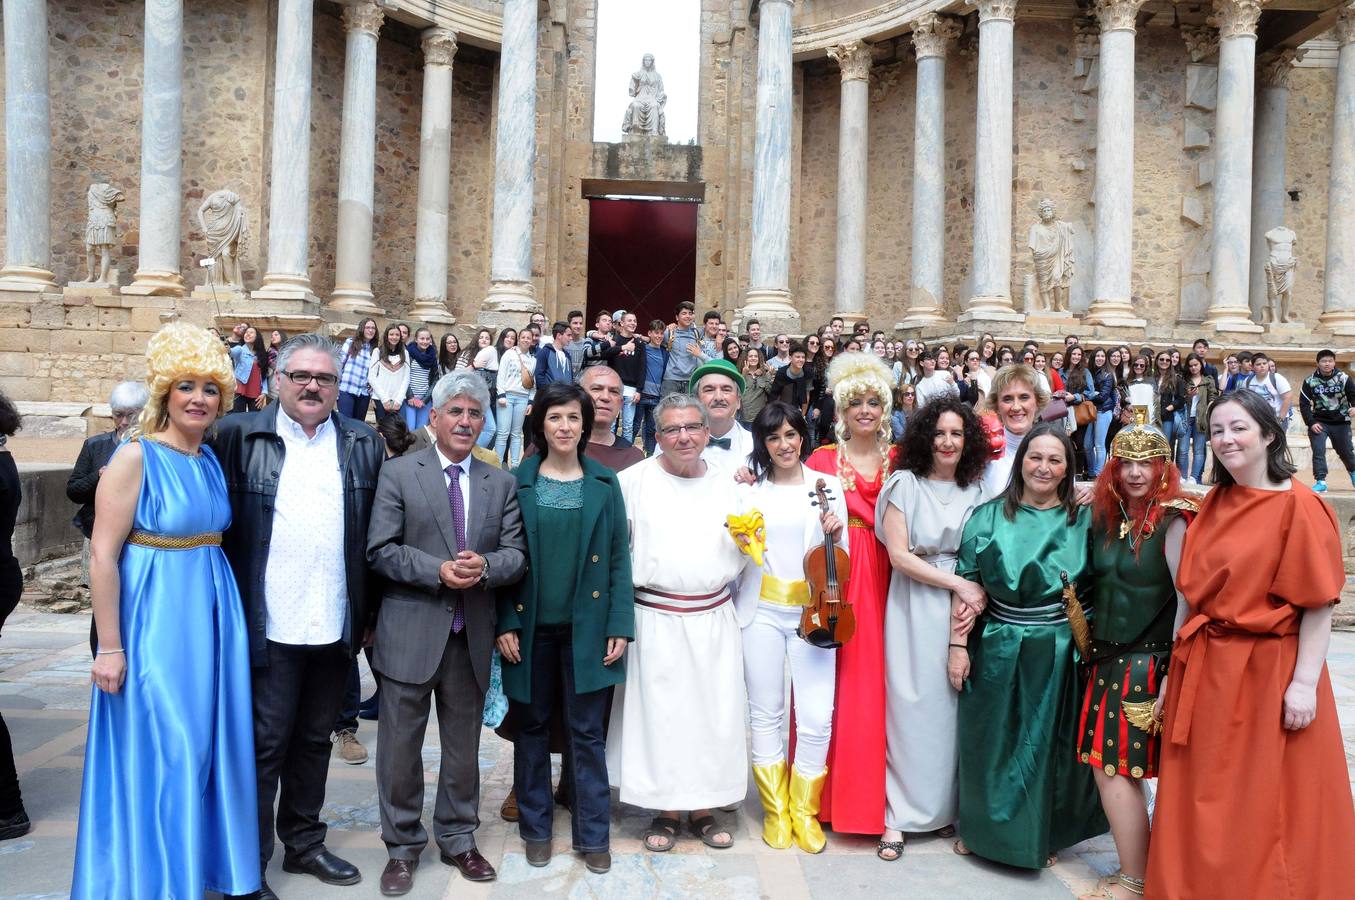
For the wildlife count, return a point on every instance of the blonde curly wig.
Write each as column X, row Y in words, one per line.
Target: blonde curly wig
column 852, row 375
column 175, row 352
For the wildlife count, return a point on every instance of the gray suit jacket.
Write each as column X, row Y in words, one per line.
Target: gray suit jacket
column 411, row 536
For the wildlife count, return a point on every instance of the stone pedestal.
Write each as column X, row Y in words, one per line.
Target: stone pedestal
column 221, row 293
column 1289, row 332
column 1056, row 322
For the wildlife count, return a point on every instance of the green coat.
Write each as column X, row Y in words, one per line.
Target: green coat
column 604, row 596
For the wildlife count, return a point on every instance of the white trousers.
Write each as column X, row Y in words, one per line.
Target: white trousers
column 768, row 641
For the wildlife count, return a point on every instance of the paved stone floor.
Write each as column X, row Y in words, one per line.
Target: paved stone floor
column 44, row 695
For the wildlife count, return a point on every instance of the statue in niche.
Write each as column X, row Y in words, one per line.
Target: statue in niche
column 645, row 113
column 1051, row 246
column 1280, row 265
column 101, row 231
column 223, row 221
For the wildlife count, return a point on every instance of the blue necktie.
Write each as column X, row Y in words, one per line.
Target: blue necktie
column 459, row 522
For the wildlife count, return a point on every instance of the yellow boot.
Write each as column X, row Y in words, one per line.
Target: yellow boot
column 804, row 810
column 772, row 789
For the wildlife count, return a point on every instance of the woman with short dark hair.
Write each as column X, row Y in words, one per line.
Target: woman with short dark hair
column 563, row 631
column 921, row 515
column 1023, row 793
column 1254, row 790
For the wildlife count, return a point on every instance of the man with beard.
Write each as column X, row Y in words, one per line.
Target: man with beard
column 677, row 739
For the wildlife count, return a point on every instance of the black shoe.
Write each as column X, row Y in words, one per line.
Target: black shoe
column 266, row 892
column 16, row 825
column 325, row 866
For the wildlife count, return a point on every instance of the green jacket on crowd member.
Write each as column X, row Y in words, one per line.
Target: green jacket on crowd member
column 603, row 598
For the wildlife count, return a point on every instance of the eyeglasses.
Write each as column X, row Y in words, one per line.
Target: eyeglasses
column 301, row 379
column 910, row 393
column 675, row 430
column 456, row 412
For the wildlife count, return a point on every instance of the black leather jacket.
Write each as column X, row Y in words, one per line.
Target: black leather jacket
column 250, row 452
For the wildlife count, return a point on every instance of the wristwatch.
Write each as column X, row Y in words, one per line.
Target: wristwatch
column 484, row 575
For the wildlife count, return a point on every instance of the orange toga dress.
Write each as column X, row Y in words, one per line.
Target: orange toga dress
column 854, row 796
column 1243, row 805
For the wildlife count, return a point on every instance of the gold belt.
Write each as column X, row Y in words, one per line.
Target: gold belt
column 174, row 541
column 784, row 592
column 857, row 522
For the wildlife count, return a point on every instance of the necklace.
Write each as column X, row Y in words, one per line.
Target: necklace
column 1145, row 530
column 168, row 446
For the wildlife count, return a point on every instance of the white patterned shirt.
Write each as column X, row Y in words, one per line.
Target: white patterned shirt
column 305, row 586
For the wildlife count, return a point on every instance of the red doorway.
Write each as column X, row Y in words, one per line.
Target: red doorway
column 641, row 257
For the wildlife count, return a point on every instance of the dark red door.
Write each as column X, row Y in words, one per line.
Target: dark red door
column 641, row 257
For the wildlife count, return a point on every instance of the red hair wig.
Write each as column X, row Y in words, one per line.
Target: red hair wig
column 1110, row 503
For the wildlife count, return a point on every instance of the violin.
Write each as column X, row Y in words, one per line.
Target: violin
column 828, row 621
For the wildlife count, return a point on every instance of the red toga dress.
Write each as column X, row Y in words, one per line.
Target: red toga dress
column 1241, row 802
column 854, row 795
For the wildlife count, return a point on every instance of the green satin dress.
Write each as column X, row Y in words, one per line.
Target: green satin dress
column 1023, row 792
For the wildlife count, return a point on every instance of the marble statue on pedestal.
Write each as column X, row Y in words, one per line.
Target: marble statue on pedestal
column 1051, row 247
column 101, row 231
column 1280, row 265
column 222, row 216
column 645, row 113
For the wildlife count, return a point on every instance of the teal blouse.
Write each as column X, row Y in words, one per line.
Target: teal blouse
column 559, row 506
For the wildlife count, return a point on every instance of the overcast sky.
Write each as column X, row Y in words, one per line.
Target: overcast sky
column 627, row 30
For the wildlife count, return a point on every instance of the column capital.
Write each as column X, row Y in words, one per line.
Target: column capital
column 1116, row 15
column 1345, row 25
column 1237, row 18
column 1202, row 41
column 933, row 34
column 439, row 47
column 1273, row 68
column 994, row 10
column 853, row 58
column 363, row 16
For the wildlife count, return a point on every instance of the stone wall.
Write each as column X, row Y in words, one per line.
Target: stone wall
column 1307, row 166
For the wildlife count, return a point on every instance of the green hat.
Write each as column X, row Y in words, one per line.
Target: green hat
column 716, row 367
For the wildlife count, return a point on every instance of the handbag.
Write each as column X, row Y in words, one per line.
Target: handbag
column 1085, row 413
column 496, row 703
column 527, row 379
column 1055, row 410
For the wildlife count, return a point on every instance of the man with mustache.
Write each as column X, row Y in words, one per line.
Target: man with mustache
column 718, row 384
column 301, row 479
column 446, row 532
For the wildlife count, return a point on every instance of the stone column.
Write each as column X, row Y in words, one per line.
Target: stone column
column 510, row 270
column 1230, row 255
column 157, row 268
column 288, row 272
column 1268, row 194
column 357, row 160
column 28, row 150
column 990, row 295
column 853, row 58
column 435, row 173
column 1114, row 191
column 768, row 297
column 1338, row 297
column 932, row 36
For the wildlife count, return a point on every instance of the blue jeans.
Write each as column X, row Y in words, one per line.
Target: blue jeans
column 552, row 654
column 625, row 423
column 1169, row 428
column 644, row 415
column 486, row 439
column 353, row 405
column 1191, row 439
column 415, row 418
column 1100, row 428
column 1340, row 439
column 510, row 426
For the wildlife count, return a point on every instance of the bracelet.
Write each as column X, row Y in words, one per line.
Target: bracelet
column 959, row 646
column 107, row 652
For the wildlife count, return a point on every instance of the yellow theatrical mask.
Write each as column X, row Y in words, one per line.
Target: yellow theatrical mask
column 749, row 532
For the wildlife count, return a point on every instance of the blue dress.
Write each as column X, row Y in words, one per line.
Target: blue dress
column 168, row 808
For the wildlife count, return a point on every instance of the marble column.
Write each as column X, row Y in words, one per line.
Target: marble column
column 853, row 58
column 1230, row 254
column 159, row 223
column 435, row 174
column 1114, row 190
column 768, row 297
column 1268, row 191
column 932, row 36
column 357, row 161
column 288, row 273
column 28, row 150
column 1338, row 297
column 990, row 291
column 510, row 269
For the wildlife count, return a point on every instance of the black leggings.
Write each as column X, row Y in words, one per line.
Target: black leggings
column 11, row 801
